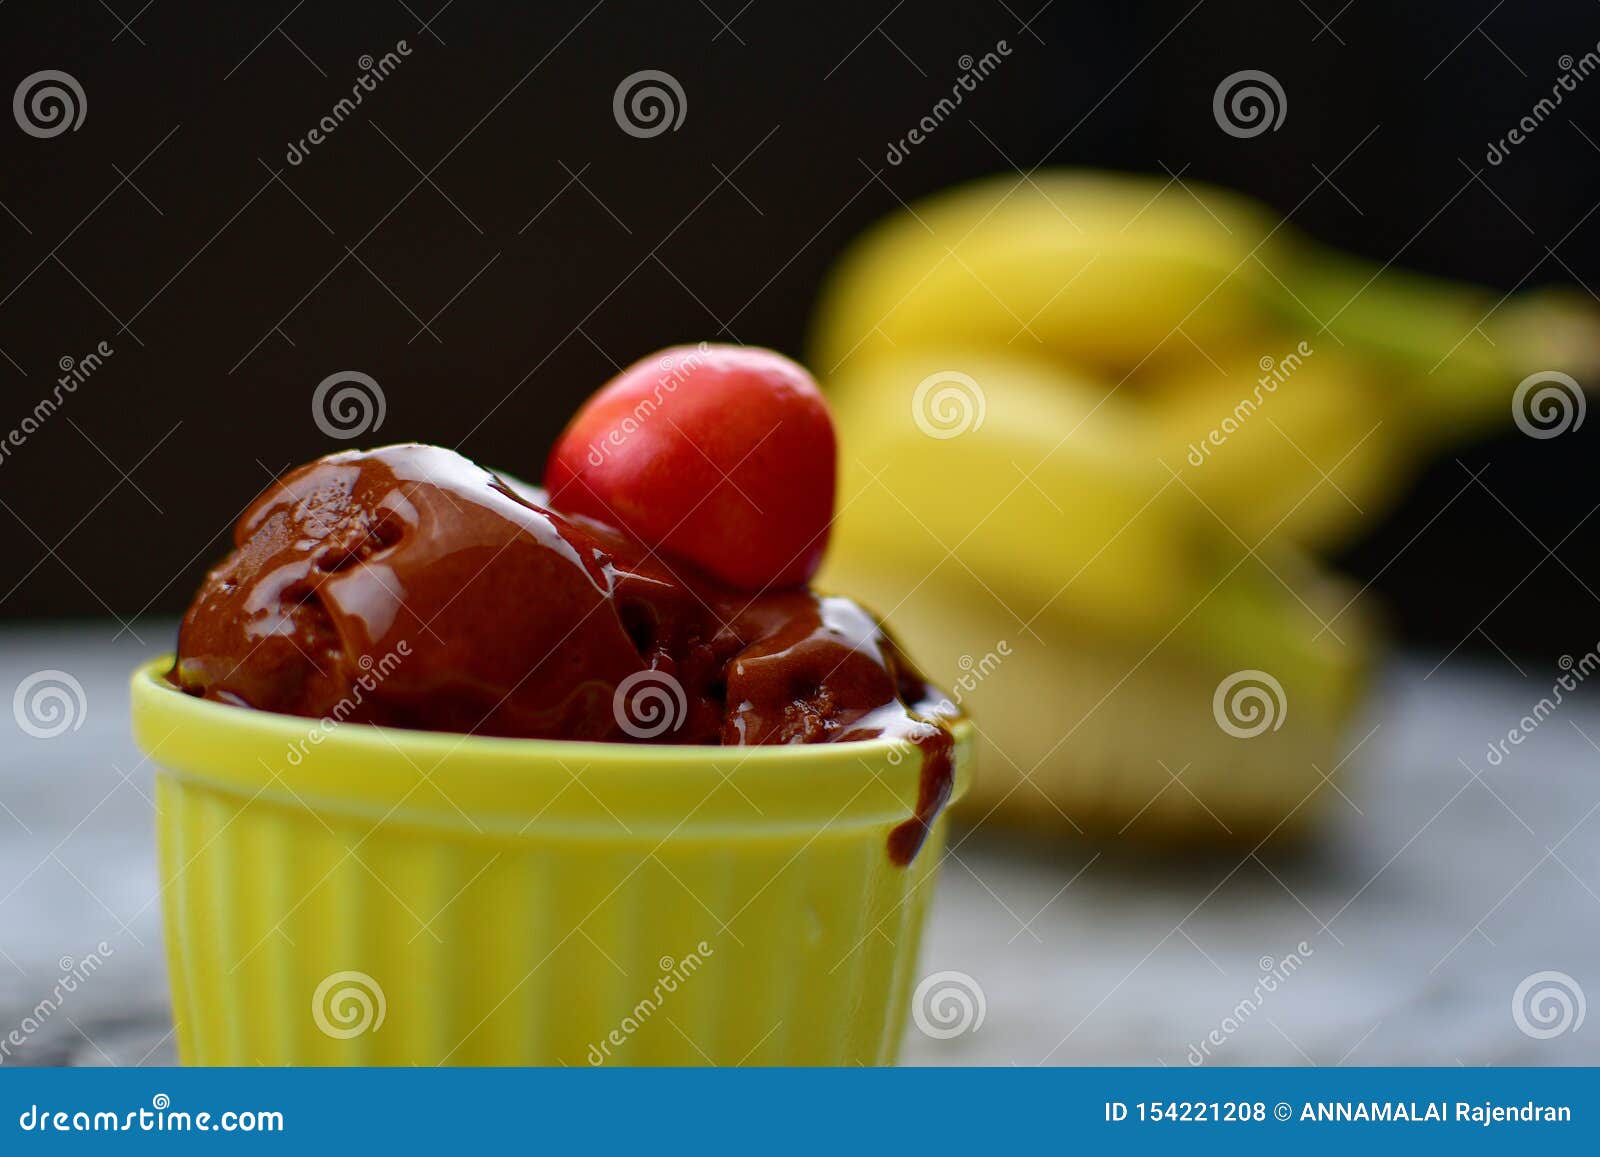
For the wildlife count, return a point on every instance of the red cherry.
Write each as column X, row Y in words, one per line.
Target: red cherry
column 720, row 454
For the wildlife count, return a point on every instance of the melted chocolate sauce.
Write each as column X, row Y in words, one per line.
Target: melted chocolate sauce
column 408, row 587
column 933, row 792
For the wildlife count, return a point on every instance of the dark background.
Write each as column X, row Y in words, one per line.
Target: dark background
column 228, row 293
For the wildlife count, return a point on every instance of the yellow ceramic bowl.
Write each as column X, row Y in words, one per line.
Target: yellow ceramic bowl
column 363, row 895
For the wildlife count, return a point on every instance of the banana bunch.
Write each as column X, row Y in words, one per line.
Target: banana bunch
column 1047, row 558
column 1128, row 275
column 1093, row 428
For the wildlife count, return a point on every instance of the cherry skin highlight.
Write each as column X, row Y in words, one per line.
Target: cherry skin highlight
column 720, row 455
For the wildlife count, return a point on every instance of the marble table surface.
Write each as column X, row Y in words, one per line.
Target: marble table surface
column 1432, row 894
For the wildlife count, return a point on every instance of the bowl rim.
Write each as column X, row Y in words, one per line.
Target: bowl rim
column 243, row 751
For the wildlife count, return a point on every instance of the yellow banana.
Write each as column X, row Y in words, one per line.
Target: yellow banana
column 1100, row 270
column 1023, row 533
column 1086, row 422
column 1117, row 272
column 1308, row 446
column 1012, row 470
column 1088, row 730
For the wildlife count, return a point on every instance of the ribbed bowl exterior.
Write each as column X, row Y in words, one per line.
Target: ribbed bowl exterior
column 312, row 933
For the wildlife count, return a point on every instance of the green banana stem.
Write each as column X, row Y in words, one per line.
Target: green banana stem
column 1459, row 350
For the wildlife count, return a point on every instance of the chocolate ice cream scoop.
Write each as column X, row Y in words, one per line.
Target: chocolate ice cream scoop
column 408, row 587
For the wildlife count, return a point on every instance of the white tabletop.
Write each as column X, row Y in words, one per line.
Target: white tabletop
column 1421, row 912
